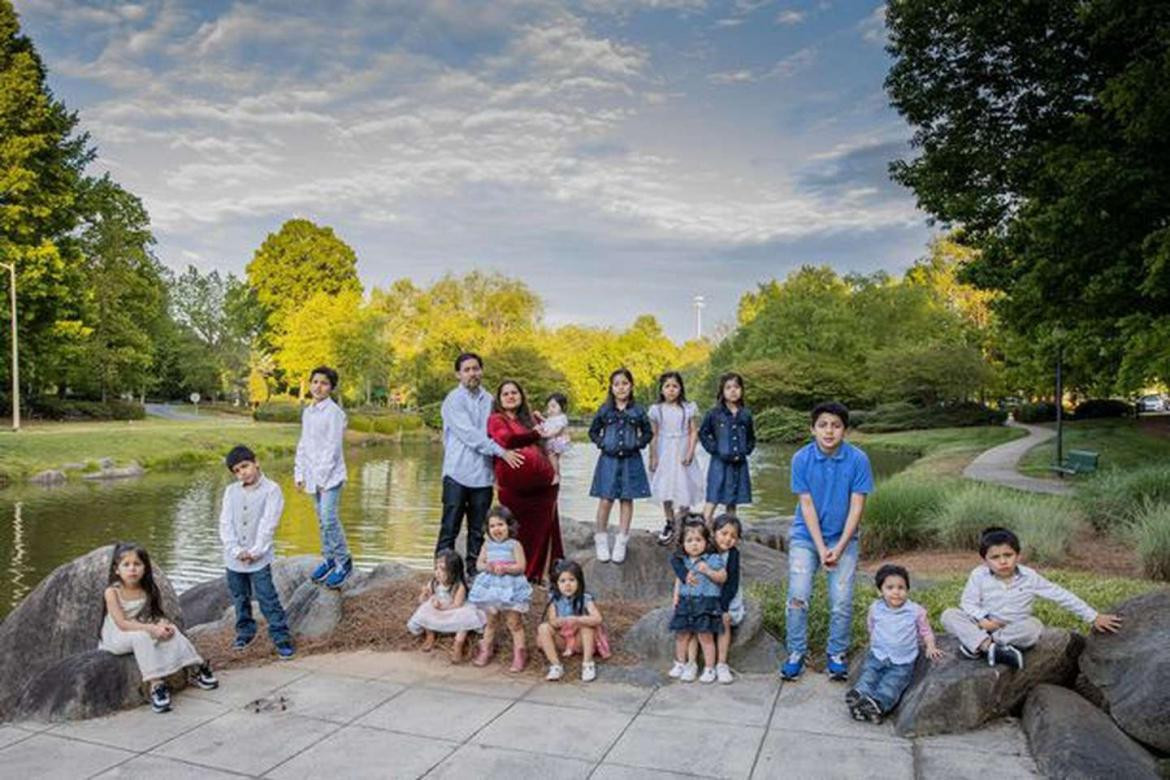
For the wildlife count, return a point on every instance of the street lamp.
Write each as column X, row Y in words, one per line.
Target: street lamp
column 1058, row 335
column 15, row 357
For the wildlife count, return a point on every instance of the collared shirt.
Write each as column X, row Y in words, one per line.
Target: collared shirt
column 894, row 633
column 320, row 461
column 467, row 448
column 831, row 480
column 987, row 596
column 247, row 523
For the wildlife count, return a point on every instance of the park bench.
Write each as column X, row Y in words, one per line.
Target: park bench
column 1078, row 462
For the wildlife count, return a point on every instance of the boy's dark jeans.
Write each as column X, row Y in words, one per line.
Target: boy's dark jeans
column 242, row 585
column 458, row 501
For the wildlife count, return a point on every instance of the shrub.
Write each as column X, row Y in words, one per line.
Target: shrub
column 782, row 424
column 1096, row 408
column 48, row 407
column 278, row 412
column 431, row 415
column 1151, row 529
column 1046, row 525
column 902, row 416
column 897, row 515
column 1113, row 497
column 388, row 424
column 774, row 601
column 1041, row 411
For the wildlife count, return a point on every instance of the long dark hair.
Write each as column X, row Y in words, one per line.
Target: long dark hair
column 453, row 563
column 609, row 399
column 523, row 413
column 682, row 388
column 574, row 568
column 154, row 609
column 723, row 380
column 692, row 520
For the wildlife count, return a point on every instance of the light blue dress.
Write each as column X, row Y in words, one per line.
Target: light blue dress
column 501, row 591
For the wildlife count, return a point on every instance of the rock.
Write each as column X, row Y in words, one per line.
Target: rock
column 770, row 532
column 72, row 466
column 62, row 617
column 957, row 694
column 576, row 536
column 313, row 611
column 48, row 477
column 289, row 573
column 1131, row 669
column 650, row 638
column 124, row 472
column 382, row 575
column 1070, row 738
column 205, row 602
column 645, row 575
column 105, row 463
column 758, row 563
column 86, row 685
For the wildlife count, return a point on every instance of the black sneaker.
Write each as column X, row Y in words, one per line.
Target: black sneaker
column 852, row 697
column 667, row 533
column 1007, row 655
column 870, row 709
column 972, row 655
column 160, row 698
column 205, row 678
column 242, row 642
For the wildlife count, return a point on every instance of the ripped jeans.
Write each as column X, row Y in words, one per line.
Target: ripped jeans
column 803, row 562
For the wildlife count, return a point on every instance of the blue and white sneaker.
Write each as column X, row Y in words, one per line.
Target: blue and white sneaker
column 322, row 570
column 160, row 698
column 792, row 668
column 837, row 667
column 339, row 574
column 242, row 642
column 285, row 651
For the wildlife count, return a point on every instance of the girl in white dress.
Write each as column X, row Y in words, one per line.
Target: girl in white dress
column 443, row 607
column 675, row 477
column 135, row 623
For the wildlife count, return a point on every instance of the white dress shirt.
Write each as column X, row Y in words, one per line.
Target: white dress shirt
column 247, row 523
column 320, row 461
column 985, row 595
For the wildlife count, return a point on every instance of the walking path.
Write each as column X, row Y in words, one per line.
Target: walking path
column 373, row 714
column 998, row 465
column 172, row 412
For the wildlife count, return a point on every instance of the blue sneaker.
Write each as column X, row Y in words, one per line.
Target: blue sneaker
column 242, row 642
column 837, row 667
column 322, row 570
column 339, row 574
column 792, row 667
column 285, row 651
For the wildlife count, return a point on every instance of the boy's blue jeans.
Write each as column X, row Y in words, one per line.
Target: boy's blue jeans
column 803, row 562
column 884, row 681
column 242, row 585
column 333, row 544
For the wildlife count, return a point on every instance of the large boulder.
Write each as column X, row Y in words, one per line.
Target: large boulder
column 61, row 618
column 382, row 575
column 1129, row 672
column 769, row 531
column 289, row 573
column 644, row 575
column 957, row 694
column 313, row 611
column 205, row 602
column 576, row 537
column 86, row 685
column 1070, row 738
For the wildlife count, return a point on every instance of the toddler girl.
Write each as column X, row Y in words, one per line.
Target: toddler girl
column 896, row 625
column 728, row 433
column 442, row 606
column 620, row 429
column 501, row 586
column 675, row 477
column 696, row 601
column 135, row 623
column 555, row 431
column 727, row 531
column 572, row 620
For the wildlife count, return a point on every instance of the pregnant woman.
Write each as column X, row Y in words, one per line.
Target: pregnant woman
column 527, row 491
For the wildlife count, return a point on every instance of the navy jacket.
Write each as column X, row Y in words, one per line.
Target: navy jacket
column 620, row 433
column 731, row 438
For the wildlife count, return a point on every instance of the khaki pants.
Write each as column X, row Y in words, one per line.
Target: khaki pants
column 1022, row 633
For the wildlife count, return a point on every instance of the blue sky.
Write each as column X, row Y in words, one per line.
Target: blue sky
column 620, row 156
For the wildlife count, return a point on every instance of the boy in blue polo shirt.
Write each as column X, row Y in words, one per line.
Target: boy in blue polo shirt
column 831, row 479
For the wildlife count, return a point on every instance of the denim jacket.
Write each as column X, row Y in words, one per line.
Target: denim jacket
column 727, row 437
column 620, row 433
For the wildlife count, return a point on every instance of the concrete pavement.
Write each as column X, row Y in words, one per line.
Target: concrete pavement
column 408, row 715
column 998, row 465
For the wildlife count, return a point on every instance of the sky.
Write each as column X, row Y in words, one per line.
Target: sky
column 619, row 156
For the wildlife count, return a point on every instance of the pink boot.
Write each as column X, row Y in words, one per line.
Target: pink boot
column 484, row 655
column 519, row 659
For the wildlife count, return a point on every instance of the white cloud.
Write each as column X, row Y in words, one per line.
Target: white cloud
column 873, row 27
column 790, row 17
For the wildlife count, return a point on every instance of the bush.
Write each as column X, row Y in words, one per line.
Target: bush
column 1151, row 529
column 1097, row 408
column 897, row 515
column 903, row 416
column 391, row 424
column 1113, row 497
column 1046, row 525
column 48, row 407
column 431, row 415
column 1041, row 411
column 783, row 425
column 278, row 412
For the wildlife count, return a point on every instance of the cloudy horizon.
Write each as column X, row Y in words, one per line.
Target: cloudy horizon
column 620, row 156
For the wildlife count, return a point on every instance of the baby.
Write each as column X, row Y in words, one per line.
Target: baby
column 555, row 430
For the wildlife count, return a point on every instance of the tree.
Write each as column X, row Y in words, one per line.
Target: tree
column 1043, row 131
column 216, row 310
column 294, row 264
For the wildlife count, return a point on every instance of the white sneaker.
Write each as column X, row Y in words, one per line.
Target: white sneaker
column 601, row 543
column 677, row 670
column 708, row 675
column 588, row 671
column 689, row 672
column 555, row 672
column 723, row 672
column 620, row 542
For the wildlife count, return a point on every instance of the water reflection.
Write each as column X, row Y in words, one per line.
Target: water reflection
column 390, row 511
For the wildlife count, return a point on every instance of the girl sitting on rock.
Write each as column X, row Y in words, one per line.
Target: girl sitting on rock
column 573, row 621
column 697, row 611
column 501, row 586
column 135, row 623
column 442, row 607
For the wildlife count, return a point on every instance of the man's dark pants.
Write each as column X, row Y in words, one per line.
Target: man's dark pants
column 458, row 500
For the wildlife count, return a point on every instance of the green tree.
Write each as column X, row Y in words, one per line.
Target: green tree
column 1043, row 131
column 215, row 309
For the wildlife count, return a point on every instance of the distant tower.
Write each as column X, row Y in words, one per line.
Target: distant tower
column 700, row 302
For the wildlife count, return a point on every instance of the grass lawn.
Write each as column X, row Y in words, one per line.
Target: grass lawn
column 1123, row 444
column 941, row 451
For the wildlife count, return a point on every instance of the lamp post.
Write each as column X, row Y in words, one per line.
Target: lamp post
column 699, row 302
column 1058, row 334
column 15, row 356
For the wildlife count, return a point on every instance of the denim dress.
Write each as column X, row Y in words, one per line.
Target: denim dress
column 620, row 434
column 730, row 439
column 699, row 610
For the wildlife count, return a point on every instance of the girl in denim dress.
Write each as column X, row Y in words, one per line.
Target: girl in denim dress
column 697, row 610
column 620, row 429
column 728, row 434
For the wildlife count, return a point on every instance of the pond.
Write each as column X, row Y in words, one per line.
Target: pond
column 390, row 510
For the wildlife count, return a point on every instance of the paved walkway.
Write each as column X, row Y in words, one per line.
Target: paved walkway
column 369, row 714
column 998, row 465
column 173, row 412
